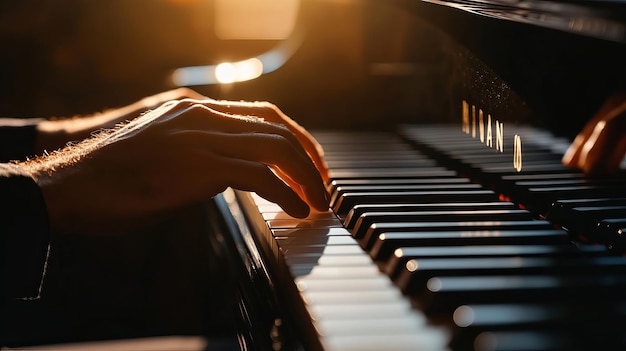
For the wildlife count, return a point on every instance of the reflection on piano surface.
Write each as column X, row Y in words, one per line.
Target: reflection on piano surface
column 466, row 232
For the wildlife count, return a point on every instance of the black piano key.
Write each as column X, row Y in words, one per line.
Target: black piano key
column 358, row 210
column 592, row 326
column 478, row 158
column 523, row 340
column 384, row 173
column 567, row 249
column 392, row 181
column 417, row 272
column 366, row 225
column 340, row 190
column 381, row 162
column 468, row 228
column 614, row 230
column 397, row 243
column 585, row 221
column 529, row 168
column 540, row 198
column 561, row 209
column 520, row 189
column 444, row 294
column 348, row 200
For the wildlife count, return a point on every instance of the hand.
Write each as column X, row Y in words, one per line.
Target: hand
column 181, row 152
column 601, row 146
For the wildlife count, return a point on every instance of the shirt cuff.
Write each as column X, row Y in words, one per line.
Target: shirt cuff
column 24, row 238
column 17, row 137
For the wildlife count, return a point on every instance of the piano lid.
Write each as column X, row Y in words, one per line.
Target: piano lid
column 562, row 58
column 602, row 19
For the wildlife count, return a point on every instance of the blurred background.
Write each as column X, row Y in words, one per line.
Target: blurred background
column 337, row 58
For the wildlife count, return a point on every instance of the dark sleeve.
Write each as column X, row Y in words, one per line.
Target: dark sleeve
column 24, row 235
column 17, row 138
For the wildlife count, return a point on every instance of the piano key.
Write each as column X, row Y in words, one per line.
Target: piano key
column 540, row 198
column 377, row 326
column 523, row 340
column 369, row 220
column 584, row 220
column 434, row 340
column 614, row 230
column 377, row 282
column 381, row 162
column 399, row 181
column 444, row 294
column 399, row 246
column 348, row 200
column 416, row 272
column 340, row 190
column 474, row 232
column 328, row 260
column 499, row 250
column 590, row 325
column 561, row 209
column 417, row 172
column 358, row 210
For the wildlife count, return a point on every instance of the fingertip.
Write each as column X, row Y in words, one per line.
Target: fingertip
column 298, row 211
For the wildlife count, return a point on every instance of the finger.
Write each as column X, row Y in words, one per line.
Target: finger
column 577, row 154
column 257, row 177
column 200, row 117
column 272, row 113
column 606, row 146
column 273, row 150
column 572, row 155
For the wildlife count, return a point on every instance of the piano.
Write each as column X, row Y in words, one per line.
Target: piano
column 453, row 224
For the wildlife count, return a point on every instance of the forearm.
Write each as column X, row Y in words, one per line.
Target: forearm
column 56, row 133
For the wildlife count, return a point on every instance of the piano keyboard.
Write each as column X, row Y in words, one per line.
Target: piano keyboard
column 435, row 242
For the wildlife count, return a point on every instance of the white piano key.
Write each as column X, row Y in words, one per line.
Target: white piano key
column 281, row 215
column 378, row 282
column 311, row 232
column 348, row 312
column 375, row 326
column 325, row 250
column 286, row 241
column 334, row 260
column 425, row 340
column 339, row 272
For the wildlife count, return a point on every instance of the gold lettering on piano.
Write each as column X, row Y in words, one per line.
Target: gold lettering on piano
column 485, row 131
column 473, row 121
column 499, row 136
column 489, row 140
column 481, row 125
column 517, row 153
column 466, row 121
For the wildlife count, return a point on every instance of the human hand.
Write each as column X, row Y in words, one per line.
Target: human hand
column 601, row 146
column 182, row 152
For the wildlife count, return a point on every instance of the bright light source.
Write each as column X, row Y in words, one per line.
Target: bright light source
column 225, row 72
column 228, row 72
column 232, row 72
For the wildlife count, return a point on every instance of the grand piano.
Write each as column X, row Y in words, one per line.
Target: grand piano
column 453, row 224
